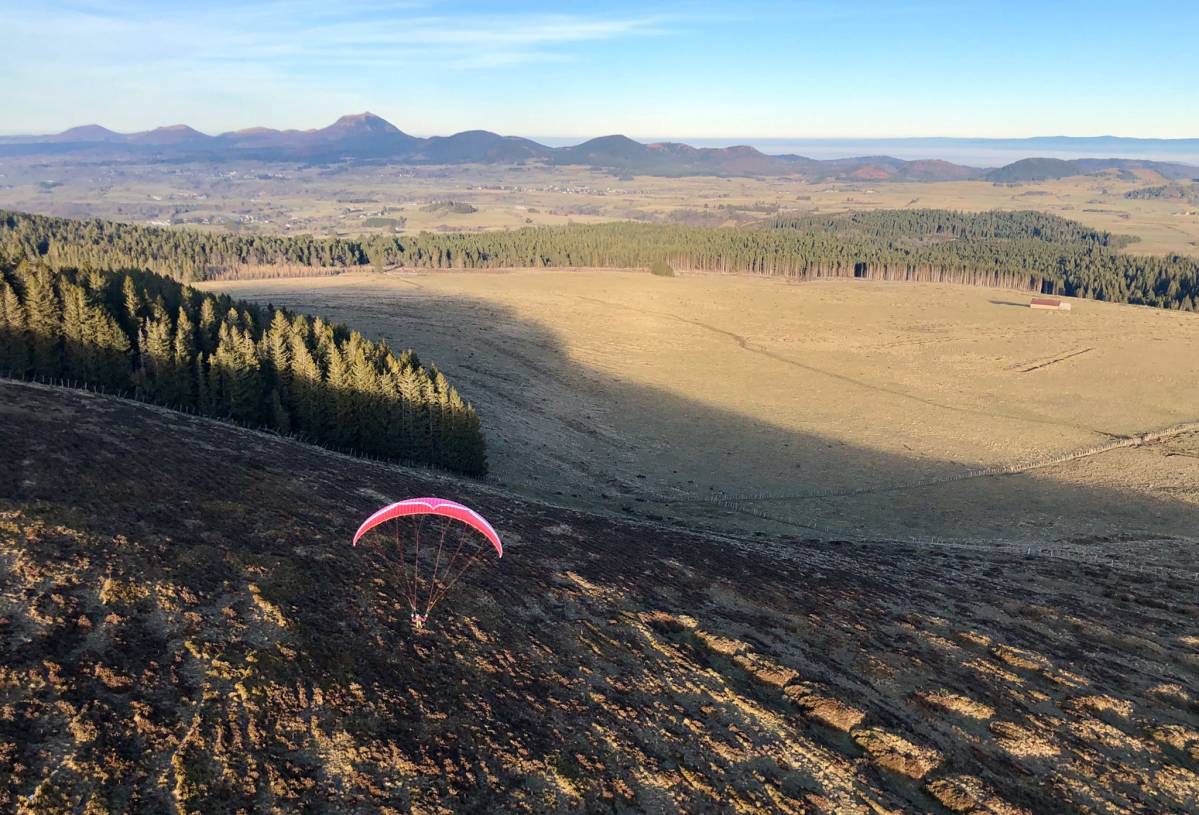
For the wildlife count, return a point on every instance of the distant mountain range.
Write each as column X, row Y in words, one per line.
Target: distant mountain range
column 367, row 137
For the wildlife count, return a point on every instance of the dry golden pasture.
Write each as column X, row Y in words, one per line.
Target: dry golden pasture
column 838, row 408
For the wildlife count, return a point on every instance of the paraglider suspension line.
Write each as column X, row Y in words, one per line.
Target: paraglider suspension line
column 437, row 562
column 450, row 584
column 416, row 563
column 446, row 571
column 406, row 584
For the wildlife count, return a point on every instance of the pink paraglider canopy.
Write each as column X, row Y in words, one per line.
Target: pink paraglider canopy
column 432, row 506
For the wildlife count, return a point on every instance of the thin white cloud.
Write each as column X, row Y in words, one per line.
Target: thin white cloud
column 370, row 33
column 135, row 64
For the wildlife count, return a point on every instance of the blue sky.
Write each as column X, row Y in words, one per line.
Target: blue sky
column 708, row 69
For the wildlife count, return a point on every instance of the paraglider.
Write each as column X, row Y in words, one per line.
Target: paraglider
column 402, row 537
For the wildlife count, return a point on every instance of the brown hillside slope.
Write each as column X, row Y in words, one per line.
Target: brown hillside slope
column 183, row 627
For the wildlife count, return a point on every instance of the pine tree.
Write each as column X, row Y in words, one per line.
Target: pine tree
column 307, row 389
column 277, row 352
column 14, row 345
column 43, row 321
column 132, row 318
column 184, row 351
column 245, row 379
column 398, row 392
column 113, row 357
column 158, row 308
column 221, row 365
column 339, row 399
column 323, row 339
column 208, row 328
column 414, row 413
column 247, row 322
column 95, row 283
column 75, row 355
column 366, row 393
column 427, row 420
column 377, row 252
column 155, row 374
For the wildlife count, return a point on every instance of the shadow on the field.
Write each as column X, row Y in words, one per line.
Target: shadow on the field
column 1007, row 303
column 562, row 429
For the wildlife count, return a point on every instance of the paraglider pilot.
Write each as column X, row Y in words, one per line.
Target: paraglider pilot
column 436, row 583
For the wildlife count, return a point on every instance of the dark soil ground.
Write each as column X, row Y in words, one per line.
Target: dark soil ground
column 184, row 627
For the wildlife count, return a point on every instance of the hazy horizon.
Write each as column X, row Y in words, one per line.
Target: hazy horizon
column 976, row 151
column 980, row 151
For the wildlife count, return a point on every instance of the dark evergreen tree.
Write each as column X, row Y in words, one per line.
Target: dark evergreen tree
column 184, row 351
column 207, row 330
column 156, row 369
column 132, row 317
column 288, row 371
column 43, row 320
column 306, row 389
column 14, row 341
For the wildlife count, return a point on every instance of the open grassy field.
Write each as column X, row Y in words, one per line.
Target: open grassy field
column 841, row 408
column 296, row 199
column 184, row 627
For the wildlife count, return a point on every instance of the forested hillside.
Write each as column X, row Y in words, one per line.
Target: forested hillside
column 1166, row 192
column 915, row 224
column 162, row 342
column 183, row 255
column 1023, row 250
